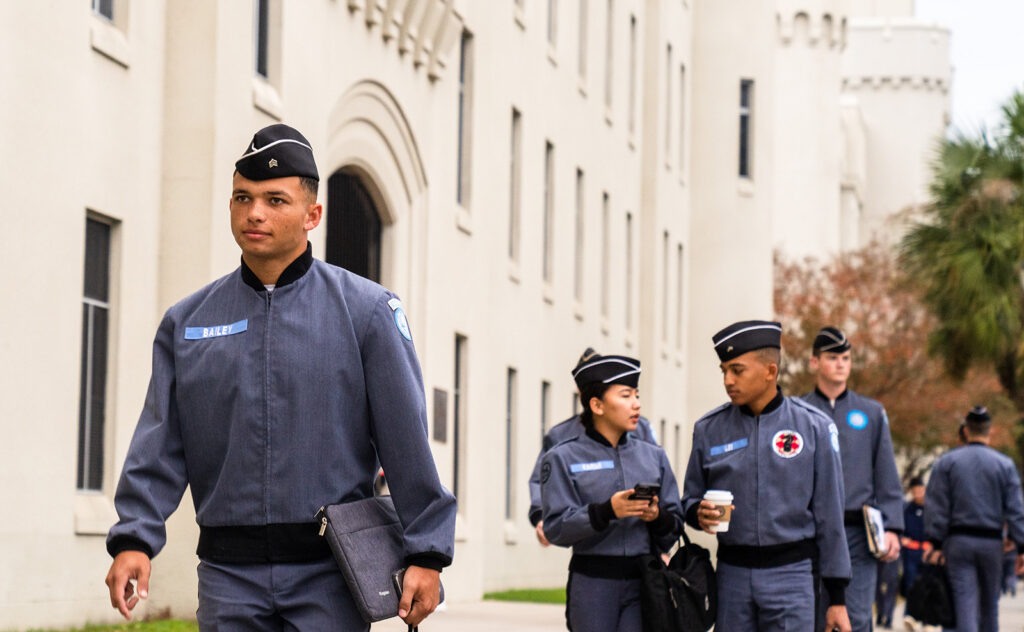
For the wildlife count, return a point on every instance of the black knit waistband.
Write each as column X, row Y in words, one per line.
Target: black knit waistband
column 261, row 544
column 607, row 566
column 977, row 532
column 767, row 556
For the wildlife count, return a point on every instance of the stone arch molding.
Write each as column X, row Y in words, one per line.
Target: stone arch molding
column 369, row 135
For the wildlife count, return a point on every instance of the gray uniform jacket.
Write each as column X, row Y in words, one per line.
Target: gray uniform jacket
column 973, row 489
column 271, row 404
column 869, row 466
column 783, row 470
column 568, row 429
column 578, row 478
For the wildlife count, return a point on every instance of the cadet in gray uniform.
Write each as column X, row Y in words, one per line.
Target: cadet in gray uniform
column 972, row 492
column 567, row 429
column 275, row 390
column 779, row 456
column 869, row 468
column 586, row 484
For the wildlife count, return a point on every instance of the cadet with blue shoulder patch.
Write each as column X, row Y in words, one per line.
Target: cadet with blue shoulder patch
column 974, row 490
column 591, row 499
column 571, row 427
column 869, row 468
column 779, row 458
column 276, row 390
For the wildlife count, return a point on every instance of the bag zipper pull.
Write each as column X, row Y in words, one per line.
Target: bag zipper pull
column 322, row 515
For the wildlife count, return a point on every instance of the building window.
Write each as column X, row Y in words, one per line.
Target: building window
column 746, row 103
column 545, row 408
column 632, row 74
column 462, row 190
column 609, row 54
column 677, row 448
column 514, row 159
column 577, row 271
column 95, row 347
column 104, row 8
column 679, row 296
column 605, row 239
column 511, row 480
column 661, row 434
column 552, row 23
column 458, row 422
column 668, row 103
column 262, row 37
column 629, row 271
column 575, row 403
column 549, row 212
column 682, row 118
column 664, row 286
column 581, row 61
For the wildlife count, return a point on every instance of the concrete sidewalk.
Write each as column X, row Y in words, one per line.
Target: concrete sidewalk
column 499, row 616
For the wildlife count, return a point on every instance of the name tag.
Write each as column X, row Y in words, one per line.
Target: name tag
column 215, row 331
column 725, row 448
column 590, row 467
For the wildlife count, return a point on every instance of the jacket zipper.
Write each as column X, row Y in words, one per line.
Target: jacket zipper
column 266, row 410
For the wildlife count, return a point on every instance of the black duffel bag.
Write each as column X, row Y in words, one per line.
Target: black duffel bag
column 930, row 600
column 681, row 597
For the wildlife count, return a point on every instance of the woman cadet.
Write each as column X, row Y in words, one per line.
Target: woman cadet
column 586, row 485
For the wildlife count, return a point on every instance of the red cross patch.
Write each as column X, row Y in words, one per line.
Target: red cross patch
column 787, row 443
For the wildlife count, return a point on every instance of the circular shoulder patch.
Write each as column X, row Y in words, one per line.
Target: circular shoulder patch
column 545, row 473
column 857, row 419
column 834, row 432
column 403, row 324
column 787, row 443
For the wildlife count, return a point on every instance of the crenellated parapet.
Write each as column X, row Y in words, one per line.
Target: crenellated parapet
column 816, row 24
column 424, row 30
column 897, row 55
column 885, row 82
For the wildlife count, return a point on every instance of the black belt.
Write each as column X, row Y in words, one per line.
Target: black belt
column 767, row 556
column 854, row 518
column 261, row 544
column 978, row 532
column 606, row 566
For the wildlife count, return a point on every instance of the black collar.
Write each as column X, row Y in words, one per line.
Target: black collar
column 981, row 443
column 295, row 270
column 597, row 436
column 826, row 397
column 772, row 405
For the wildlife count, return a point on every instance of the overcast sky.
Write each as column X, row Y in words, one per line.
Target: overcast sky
column 987, row 54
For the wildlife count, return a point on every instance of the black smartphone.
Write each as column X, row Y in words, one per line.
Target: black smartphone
column 645, row 491
column 398, row 580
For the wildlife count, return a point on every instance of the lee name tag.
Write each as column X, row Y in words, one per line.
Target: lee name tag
column 215, row 331
column 590, row 467
column 725, row 448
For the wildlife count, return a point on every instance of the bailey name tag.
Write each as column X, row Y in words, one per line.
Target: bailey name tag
column 216, row 331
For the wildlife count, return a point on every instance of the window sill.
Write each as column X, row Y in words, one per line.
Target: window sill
column 745, row 187
column 464, row 220
column 511, row 533
column 109, row 41
column 94, row 513
column 577, row 310
column 266, row 99
column 631, row 142
column 513, row 271
column 581, row 86
column 629, row 340
column 605, row 329
column 548, row 293
column 608, row 115
column 520, row 16
column 552, row 57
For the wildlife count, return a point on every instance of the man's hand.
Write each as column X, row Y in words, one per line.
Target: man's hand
column 708, row 516
column 892, row 547
column 837, row 619
column 543, row 539
column 1018, row 567
column 934, row 557
column 650, row 513
column 421, row 592
column 126, row 566
column 624, row 507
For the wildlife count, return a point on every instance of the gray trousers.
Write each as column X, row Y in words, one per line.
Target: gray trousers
column 275, row 598
column 860, row 593
column 975, row 569
column 779, row 599
column 594, row 604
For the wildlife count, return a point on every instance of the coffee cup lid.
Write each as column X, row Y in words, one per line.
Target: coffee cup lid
column 717, row 493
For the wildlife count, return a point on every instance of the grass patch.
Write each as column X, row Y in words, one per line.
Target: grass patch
column 531, row 595
column 169, row 625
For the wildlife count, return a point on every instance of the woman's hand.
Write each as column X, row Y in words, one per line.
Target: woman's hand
column 650, row 513
column 624, row 507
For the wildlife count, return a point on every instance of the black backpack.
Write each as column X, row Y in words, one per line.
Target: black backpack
column 930, row 598
column 681, row 597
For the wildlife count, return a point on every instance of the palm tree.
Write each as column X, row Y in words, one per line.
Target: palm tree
column 967, row 255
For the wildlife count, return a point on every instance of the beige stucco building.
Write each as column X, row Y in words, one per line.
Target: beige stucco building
column 531, row 176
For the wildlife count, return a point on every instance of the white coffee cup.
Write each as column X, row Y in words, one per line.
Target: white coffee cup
column 723, row 503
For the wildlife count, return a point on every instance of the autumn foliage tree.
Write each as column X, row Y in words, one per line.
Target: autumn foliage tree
column 868, row 296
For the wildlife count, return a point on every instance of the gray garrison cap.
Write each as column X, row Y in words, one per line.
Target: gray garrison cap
column 831, row 340
column 607, row 370
column 746, row 335
column 277, row 151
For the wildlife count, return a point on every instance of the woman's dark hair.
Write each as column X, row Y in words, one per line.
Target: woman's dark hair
column 588, row 392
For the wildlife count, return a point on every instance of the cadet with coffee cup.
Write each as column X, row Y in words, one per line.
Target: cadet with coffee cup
column 779, row 459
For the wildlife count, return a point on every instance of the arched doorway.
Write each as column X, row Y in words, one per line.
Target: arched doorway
column 353, row 239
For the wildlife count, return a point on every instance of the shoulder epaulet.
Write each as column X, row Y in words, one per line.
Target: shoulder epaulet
column 713, row 412
column 565, row 441
column 809, row 407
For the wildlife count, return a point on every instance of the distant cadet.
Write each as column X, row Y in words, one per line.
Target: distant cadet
column 870, row 476
column 914, row 541
column 779, row 457
column 972, row 492
column 610, row 497
column 571, row 427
